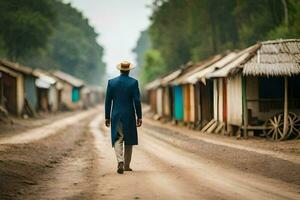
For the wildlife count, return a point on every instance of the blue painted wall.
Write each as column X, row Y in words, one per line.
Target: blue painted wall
column 30, row 90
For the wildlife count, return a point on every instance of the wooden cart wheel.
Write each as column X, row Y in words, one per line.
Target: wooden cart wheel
column 274, row 128
column 295, row 124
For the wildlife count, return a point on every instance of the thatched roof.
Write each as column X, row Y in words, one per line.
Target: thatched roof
column 275, row 58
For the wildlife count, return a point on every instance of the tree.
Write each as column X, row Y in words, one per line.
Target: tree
column 142, row 46
column 72, row 47
column 184, row 30
column 153, row 66
column 25, row 25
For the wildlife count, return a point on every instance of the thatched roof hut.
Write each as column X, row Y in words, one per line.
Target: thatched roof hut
column 275, row 58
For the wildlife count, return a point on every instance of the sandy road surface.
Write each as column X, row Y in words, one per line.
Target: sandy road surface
column 162, row 171
column 74, row 160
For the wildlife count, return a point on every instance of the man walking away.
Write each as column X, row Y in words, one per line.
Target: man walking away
column 123, row 111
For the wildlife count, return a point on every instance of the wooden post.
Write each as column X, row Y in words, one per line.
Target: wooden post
column 245, row 108
column 285, row 111
column 216, row 104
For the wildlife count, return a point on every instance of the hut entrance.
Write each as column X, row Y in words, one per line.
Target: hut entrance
column 75, row 94
column 266, row 103
column 186, row 102
column 43, row 103
column 171, row 99
column 59, row 98
column 207, row 102
column 178, row 102
column 10, row 93
column 266, row 97
column 167, row 103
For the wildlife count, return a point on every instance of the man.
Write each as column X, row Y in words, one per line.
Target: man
column 123, row 111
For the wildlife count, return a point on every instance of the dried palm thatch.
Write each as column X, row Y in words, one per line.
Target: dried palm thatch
column 275, row 58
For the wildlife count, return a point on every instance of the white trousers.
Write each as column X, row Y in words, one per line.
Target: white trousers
column 126, row 156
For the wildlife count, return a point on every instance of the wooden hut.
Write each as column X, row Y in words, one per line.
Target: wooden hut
column 205, row 108
column 226, row 107
column 152, row 94
column 191, row 94
column 266, row 95
column 168, row 94
column 259, row 98
column 92, row 96
column 49, row 91
column 18, row 92
column 182, row 98
column 71, row 90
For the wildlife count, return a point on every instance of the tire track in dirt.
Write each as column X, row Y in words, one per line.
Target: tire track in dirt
column 59, row 166
column 163, row 171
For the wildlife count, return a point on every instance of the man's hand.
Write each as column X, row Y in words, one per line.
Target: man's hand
column 107, row 122
column 139, row 122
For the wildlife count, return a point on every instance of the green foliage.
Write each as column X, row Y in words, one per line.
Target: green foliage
column 25, row 25
column 31, row 37
column 142, row 46
column 184, row 30
column 168, row 32
column 153, row 66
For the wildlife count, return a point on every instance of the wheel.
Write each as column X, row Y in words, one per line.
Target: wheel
column 274, row 128
column 295, row 124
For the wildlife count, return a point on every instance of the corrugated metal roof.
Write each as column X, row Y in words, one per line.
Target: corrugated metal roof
column 200, row 66
column 167, row 79
column 235, row 62
column 44, row 76
column 154, row 84
column 16, row 67
column 219, row 64
column 68, row 78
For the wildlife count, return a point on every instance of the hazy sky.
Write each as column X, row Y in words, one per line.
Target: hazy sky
column 119, row 23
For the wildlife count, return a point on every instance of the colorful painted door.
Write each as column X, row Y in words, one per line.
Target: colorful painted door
column 75, row 95
column 178, row 103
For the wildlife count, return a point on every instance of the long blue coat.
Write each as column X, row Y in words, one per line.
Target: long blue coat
column 122, row 103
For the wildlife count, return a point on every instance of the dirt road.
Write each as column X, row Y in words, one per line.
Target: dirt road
column 77, row 162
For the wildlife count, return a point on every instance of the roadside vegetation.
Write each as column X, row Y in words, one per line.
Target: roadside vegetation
column 192, row 30
column 49, row 34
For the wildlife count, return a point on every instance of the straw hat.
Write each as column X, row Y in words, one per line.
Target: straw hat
column 125, row 66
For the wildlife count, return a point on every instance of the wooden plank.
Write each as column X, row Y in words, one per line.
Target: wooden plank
column 207, row 125
column 255, row 127
column 245, row 108
column 212, row 127
column 220, row 127
column 224, row 100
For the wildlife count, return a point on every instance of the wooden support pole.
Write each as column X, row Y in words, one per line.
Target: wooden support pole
column 285, row 111
column 245, row 107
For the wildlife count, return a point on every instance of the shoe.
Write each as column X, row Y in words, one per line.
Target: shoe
column 127, row 169
column 120, row 168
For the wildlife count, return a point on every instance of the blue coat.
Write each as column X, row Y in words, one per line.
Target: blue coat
column 122, row 103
